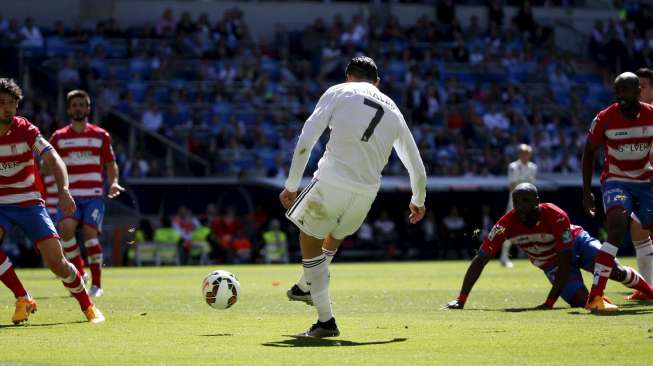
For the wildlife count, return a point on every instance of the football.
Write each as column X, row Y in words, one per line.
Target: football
column 220, row 289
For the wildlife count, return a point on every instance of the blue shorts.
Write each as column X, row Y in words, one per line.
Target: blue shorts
column 89, row 211
column 634, row 197
column 33, row 220
column 583, row 255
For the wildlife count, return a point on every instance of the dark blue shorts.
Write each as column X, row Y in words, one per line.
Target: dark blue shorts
column 89, row 211
column 583, row 255
column 33, row 220
column 634, row 197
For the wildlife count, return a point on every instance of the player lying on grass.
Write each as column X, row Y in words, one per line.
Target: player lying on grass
column 559, row 249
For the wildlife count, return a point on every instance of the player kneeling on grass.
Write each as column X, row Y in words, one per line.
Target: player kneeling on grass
column 559, row 249
column 20, row 201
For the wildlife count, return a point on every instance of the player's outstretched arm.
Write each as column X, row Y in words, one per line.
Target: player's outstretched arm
column 57, row 167
column 473, row 273
column 562, row 275
column 408, row 153
column 112, row 176
column 589, row 154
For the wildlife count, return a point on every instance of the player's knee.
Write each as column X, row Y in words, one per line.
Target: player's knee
column 89, row 233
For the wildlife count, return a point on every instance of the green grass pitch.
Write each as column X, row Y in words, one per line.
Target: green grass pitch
column 388, row 314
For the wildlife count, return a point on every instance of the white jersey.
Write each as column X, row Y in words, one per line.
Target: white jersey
column 519, row 172
column 365, row 125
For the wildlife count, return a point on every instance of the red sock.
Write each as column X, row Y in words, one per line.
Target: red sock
column 635, row 280
column 75, row 285
column 9, row 278
column 74, row 256
column 94, row 252
column 602, row 268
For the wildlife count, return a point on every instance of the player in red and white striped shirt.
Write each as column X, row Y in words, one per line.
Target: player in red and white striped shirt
column 625, row 131
column 20, row 200
column 86, row 150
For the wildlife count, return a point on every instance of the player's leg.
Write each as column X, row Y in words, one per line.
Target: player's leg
column 630, row 278
column 316, row 271
column 67, row 227
column 574, row 293
column 92, row 213
column 644, row 251
column 617, row 200
column 25, row 305
column 301, row 291
column 36, row 223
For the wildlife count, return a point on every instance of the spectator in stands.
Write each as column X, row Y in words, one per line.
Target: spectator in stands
column 454, row 226
column 386, row 234
column 167, row 24
column 275, row 243
column 184, row 222
column 31, row 35
column 69, row 75
column 166, row 234
column 494, row 119
column 152, row 118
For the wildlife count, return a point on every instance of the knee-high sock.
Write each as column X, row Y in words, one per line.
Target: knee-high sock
column 73, row 282
column 644, row 251
column 94, row 252
column 505, row 251
column 635, row 281
column 329, row 254
column 602, row 267
column 10, row 279
column 72, row 253
column 317, row 274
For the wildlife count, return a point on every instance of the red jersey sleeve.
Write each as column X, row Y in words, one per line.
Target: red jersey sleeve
column 107, row 154
column 596, row 132
column 492, row 244
column 561, row 228
column 36, row 141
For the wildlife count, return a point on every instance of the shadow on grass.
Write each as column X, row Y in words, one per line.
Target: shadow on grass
column 217, row 335
column 30, row 325
column 623, row 310
column 296, row 341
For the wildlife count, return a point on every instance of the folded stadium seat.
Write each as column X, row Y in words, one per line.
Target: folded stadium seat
column 178, row 84
column 121, row 72
column 33, row 52
column 161, row 94
column 157, row 253
column 244, row 164
column 587, row 78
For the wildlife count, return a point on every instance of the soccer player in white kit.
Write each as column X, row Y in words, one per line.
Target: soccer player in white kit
column 365, row 125
column 520, row 171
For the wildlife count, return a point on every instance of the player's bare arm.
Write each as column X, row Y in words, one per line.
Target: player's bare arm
column 562, row 275
column 112, row 175
column 56, row 165
column 416, row 213
column 471, row 276
column 589, row 156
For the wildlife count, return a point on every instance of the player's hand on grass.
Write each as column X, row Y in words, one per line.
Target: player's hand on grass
column 589, row 204
column 544, row 306
column 416, row 213
column 66, row 203
column 287, row 198
column 454, row 304
column 115, row 190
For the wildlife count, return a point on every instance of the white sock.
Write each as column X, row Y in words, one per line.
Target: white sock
column 316, row 271
column 329, row 254
column 505, row 251
column 644, row 250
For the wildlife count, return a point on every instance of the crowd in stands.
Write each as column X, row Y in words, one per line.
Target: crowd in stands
column 470, row 94
column 256, row 237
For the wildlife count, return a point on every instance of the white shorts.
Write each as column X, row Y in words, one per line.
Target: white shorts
column 322, row 209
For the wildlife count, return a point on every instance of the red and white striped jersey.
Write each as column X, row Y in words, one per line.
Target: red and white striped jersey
column 51, row 194
column 17, row 166
column 542, row 242
column 85, row 154
column 627, row 143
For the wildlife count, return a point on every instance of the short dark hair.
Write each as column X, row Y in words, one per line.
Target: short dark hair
column 9, row 86
column 645, row 73
column 363, row 67
column 77, row 93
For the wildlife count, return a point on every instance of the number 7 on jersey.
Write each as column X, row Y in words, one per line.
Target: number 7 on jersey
column 375, row 120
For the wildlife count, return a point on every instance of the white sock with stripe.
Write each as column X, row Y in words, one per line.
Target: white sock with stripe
column 644, row 251
column 329, row 254
column 317, row 273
